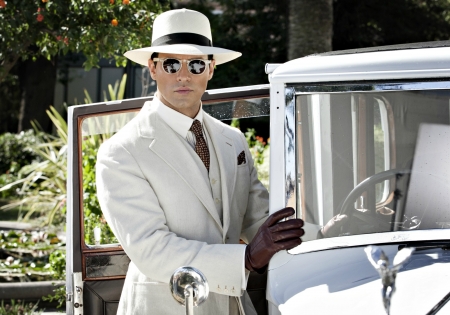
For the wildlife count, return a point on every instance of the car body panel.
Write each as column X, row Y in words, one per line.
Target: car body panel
column 367, row 66
column 342, row 281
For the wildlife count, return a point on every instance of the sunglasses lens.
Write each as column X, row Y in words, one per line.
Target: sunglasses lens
column 171, row 65
column 196, row 66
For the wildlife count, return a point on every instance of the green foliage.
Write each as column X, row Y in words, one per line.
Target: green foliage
column 15, row 149
column 10, row 176
column 27, row 255
column 90, row 146
column 99, row 28
column 260, row 151
column 19, row 308
column 92, row 221
column 57, row 262
column 92, row 212
column 117, row 92
column 257, row 145
column 42, row 184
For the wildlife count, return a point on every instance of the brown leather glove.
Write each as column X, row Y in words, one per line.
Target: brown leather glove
column 272, row 237
column 333, row 227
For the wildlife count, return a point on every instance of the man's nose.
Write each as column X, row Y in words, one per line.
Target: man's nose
column 184, row 74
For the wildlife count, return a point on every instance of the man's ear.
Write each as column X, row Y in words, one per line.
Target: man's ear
column 211, row 69
column 152, row 69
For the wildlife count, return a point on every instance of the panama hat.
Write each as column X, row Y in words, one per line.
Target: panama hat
column 184, row 32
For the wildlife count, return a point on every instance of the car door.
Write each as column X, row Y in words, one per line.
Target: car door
column 96, row 263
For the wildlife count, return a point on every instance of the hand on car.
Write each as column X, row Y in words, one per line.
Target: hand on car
column 272, row 237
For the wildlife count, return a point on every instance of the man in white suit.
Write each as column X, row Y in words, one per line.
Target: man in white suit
column 179, row 188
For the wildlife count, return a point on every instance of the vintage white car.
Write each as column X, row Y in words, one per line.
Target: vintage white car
column 360, row 147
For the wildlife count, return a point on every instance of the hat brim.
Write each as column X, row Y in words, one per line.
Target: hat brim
column 221, row 55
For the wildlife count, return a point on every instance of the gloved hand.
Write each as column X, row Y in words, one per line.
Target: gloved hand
column 272, row 237
column 333, row 227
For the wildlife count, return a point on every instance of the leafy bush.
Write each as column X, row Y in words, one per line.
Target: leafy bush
column 15, row 152
column 19, row 308
column 17, row 149
column 57, row 262
column 92, row 221
column 260, row 151
column 42, row 184
column 27, row 255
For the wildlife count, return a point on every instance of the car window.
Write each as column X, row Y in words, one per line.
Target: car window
column 95, row 129
column 373, row 148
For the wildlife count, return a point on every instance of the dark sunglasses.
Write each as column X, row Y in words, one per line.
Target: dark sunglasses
column 172, row 65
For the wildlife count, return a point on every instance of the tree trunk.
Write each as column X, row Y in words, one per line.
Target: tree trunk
column 37, row 83
column 310, row 27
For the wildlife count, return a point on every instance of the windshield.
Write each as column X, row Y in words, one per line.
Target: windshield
column 379, row 160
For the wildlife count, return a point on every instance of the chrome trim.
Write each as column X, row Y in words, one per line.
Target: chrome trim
column 289, row 147
column 370, row 239
column 369, row 87
column 70, row 210
column 77, row 307
column 277, row 177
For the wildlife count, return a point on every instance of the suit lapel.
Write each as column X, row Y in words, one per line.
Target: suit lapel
column 226, row 157
column 165, row 140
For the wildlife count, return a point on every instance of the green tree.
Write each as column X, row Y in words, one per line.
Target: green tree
column 35, row 32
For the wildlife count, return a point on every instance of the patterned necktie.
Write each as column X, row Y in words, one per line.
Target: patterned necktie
column 200, row 143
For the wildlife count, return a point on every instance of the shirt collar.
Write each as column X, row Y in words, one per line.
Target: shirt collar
column 177, row 121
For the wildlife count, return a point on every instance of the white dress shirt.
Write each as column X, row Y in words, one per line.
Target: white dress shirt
column 178, row 122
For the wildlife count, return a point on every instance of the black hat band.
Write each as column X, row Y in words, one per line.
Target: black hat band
column 182, row 38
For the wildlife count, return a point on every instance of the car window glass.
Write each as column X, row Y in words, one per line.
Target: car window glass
column 348, row 140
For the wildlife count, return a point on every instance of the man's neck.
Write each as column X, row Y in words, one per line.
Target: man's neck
column 191, row 113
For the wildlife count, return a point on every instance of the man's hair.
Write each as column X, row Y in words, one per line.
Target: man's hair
column 154, row 55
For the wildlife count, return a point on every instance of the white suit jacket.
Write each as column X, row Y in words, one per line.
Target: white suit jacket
column 162, row 212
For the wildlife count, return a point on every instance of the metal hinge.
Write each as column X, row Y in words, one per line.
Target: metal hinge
column 77, row 294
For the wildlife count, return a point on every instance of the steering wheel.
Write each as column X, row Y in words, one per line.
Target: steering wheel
column 347, row 206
